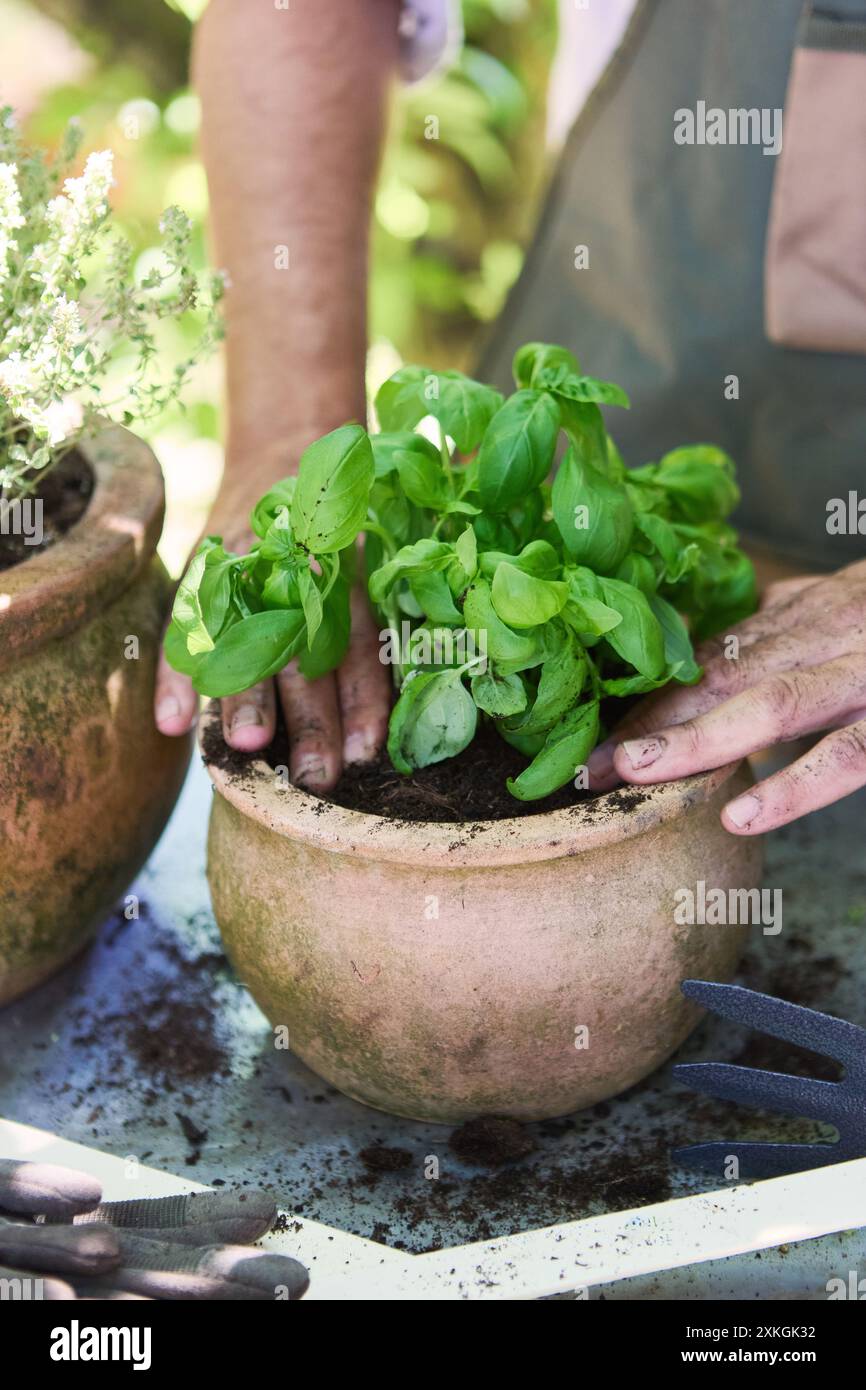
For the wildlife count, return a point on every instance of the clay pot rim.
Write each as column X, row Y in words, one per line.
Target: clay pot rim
column 297, row 815
column 59, row 588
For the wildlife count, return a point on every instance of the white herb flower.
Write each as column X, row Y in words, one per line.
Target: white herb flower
column 11, row 217
column 18, row 378
column 77, row 335
column 73, row 219
column 65, row 331
column 20, row 384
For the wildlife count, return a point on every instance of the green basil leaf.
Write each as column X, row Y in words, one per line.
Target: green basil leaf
column 699, row 481
column 278, row 542
column 516, row 650
column 585, row 611
column 422, row 557
column 661, row 537
column 434, row 596
column 391, row 509
column 533, row 358
column 335, row 476
column 466, row 549
column 387, row 445
column 498, row 695
column 331, row 642
column 565, row 749
column 494, row 533
column 526, row 516
column 517, row 450
column 521, row 600
column 266, row 509
column 584, row 426
column 435, row 718
column 187, row 611
column 527, row 744
column 537, row 558
column 590, row 617
column 463, row 407
column 636, row 569
column 246, row 598
column 623, row 686
column 422, row 479
column 593, row 514
column 725, row 590
column 586, row 390
column 311, row 602
column 638, row 638
column 280, row 589
column 216, row 588
column 678, row 645
column 563, row 676
column 249, row 652
column 177, row 653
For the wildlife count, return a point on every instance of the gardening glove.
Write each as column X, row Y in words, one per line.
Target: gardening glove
column 27, row 1250
column 30, row 1252
column 164, row 1247
column 172, row 1247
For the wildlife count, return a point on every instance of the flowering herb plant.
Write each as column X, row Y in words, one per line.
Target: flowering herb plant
column 73, row 319
column 540, row 602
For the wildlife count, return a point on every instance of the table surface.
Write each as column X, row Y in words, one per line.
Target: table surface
column 147, row 1045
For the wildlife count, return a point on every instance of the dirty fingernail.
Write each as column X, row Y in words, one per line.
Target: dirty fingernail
column 359, row 748
column 309, row 771
column 167, row 708
column 743, row 811
column 643, row 752
column 246, row 717
column 600, row 761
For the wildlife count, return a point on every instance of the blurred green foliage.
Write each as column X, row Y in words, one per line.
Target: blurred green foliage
column 460, row 184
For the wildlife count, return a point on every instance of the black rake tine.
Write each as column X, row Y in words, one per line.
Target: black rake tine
column 817, row 1032
column 764, row 1090
column 758, row 1160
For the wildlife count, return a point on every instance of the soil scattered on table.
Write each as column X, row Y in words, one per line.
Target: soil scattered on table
column 469, row 788
column 491, row 1140
column 378, row 1158
column 518, row 1196
column 64, row 494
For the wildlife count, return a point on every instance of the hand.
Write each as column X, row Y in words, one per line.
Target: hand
column 799, row 667
column 341, row 718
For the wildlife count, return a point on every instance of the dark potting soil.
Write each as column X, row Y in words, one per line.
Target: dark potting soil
column 491, row 1140
column 379, row 1158
column 470, row 787
column 64, row 493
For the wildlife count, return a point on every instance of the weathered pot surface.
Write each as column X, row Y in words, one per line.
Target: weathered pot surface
column 525, row 967
column 86, row 781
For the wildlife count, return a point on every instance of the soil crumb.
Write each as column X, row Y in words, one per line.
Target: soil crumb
column 64, row 494
column 380, row 1159
column 491, row 1140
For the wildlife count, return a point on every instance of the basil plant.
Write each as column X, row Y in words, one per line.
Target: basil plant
column 501, row 596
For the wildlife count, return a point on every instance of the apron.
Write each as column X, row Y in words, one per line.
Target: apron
column 723, row 287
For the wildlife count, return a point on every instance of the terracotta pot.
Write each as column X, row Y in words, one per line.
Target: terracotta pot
column 441, row 971
column 86, row 782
